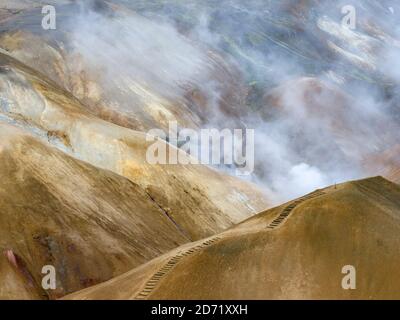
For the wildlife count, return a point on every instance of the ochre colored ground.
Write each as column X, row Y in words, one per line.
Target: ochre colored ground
column 356, row 223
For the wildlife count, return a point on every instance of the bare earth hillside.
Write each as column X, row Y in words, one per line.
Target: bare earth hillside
column 306, row 92
column 295, row 251
column 56, row 210
column 198, row 198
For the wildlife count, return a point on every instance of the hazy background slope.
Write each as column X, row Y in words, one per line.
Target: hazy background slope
column 233, row 64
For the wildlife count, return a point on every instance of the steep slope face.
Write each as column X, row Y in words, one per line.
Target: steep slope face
column 294, row 251
column 90, row 224
column 200, row 200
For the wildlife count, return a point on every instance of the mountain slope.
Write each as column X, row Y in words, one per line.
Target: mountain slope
column 199, row 199
column 293, row 251
column 56, row 210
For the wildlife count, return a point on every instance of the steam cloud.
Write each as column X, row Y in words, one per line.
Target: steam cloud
column 324, row 96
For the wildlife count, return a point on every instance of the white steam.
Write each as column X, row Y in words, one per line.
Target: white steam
column 310, row 133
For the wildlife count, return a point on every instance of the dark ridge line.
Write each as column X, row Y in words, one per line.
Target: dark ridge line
column 181, row 230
